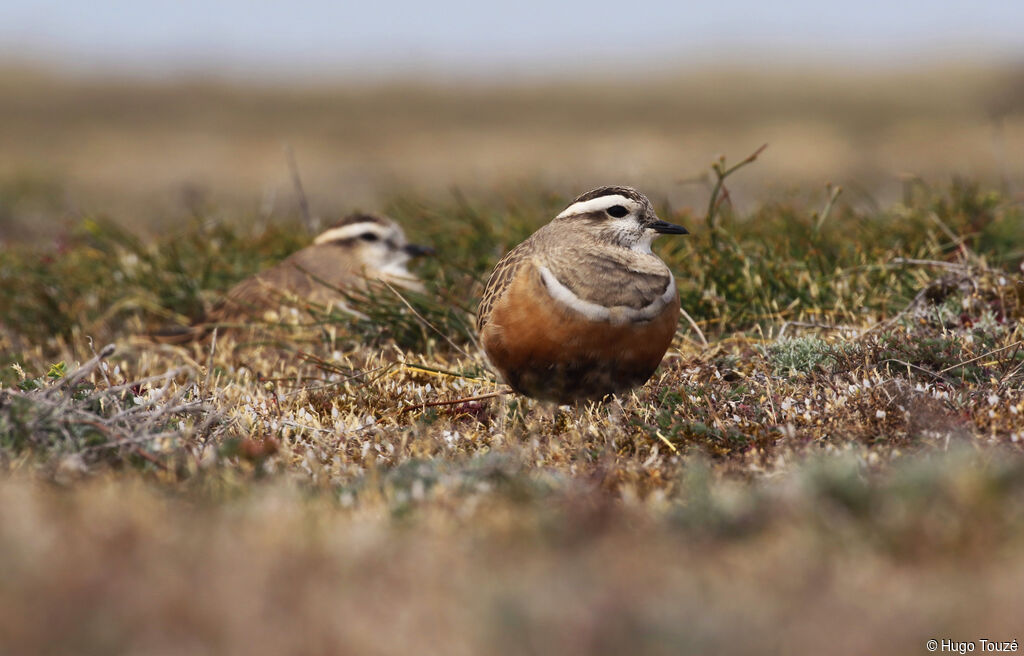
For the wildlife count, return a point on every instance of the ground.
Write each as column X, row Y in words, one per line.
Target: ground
column 828, row 459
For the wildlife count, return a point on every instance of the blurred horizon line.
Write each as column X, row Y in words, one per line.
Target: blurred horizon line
column 781, row 64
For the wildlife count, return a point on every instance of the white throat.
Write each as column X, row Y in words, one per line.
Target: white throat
column 643, row 245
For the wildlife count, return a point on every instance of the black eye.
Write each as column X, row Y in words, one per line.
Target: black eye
column 618, row 211
column 369, row 236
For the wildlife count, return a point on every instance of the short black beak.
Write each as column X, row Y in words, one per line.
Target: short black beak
column 415, row 250
column 666, row 228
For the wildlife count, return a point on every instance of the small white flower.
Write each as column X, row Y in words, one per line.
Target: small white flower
column 450, row 437
column 880, row 414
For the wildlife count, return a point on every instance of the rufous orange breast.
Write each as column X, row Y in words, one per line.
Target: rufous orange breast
column 548, row 351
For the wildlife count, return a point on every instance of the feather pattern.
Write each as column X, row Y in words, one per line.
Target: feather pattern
column 504, row 272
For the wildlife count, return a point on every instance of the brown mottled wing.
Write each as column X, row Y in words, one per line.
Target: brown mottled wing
column 298, row 276
column 504, row 271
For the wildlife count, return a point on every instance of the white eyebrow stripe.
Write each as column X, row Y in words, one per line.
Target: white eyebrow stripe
column 599, row 203
column 349, row 231
column 598, row 312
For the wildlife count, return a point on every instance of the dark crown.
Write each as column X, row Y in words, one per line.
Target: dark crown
column 359, row 217
column 628, row 192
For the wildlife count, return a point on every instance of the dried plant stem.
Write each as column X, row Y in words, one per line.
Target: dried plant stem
column 79, row 374
column 696, row 328
column 425, row 322
column 829, row 204
column 983, row 355
column 435, row 371
column 466, row 399
column 719, row 192
column 954, row 266
column 293, row 168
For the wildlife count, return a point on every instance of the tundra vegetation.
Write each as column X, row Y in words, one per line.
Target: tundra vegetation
column 828, row 460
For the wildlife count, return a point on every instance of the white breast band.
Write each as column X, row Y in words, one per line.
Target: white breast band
column 596, row 312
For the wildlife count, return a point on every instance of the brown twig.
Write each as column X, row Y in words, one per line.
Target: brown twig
column 833, row 195
column 467, row 399
column 696, row 328
column 149, row 457
column 333, row 383
column 123, row 441
column 293, row 167
column 78, row 374
column 881, row 325
column 721, row 173
column 983, row 355
column 209, row 362
column 425, row 322
column 933, row 263
column 909, row 366
column 319, row 362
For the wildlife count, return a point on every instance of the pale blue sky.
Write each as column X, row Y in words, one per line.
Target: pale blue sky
column 252, row 37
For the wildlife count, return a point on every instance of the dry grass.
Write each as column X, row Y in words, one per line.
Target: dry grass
column 853, row 486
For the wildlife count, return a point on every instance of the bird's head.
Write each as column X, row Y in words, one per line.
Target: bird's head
column 375, row 243
column 621, row 216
